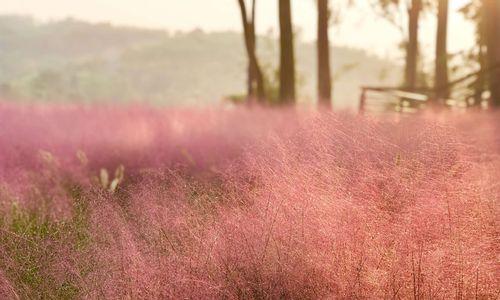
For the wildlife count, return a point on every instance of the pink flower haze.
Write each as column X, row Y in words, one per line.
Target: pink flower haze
column 247, row 204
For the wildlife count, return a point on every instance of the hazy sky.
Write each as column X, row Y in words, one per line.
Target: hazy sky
column 359, row 28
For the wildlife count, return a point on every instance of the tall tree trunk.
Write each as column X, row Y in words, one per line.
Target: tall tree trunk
column 255, row 83
column 481, row 83
column 287, row 60
column 411, row 70
column 491, row 10
column 441, row 68
column 496, row 76
column 324, row 76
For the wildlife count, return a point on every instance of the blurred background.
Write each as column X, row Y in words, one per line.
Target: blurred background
column 192, row 52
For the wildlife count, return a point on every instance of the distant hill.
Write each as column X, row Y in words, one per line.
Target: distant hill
column 73, row 60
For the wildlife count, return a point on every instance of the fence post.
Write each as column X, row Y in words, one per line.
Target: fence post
column 362, row 101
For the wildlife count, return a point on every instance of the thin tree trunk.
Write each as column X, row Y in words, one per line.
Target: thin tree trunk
column 411, row 70
column 481, row 83
column 492, row 36
column 324, row 76
column 255, row 81
column 441, row 68
column 287, row 60
column 496, row 75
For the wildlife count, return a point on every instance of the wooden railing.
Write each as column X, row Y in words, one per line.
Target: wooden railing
column 465, row 92
column 384, row 99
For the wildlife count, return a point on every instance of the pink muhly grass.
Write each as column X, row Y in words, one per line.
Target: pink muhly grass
column 247, row 204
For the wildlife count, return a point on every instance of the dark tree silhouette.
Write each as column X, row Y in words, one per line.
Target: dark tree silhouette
column 474, row 12
column 441, row 67
column 324, row 75
column 287, row 60
column 411, row 70
column 491, row 11
column 255, row 84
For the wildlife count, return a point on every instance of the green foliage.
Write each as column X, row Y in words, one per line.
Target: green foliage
column 31, row 225
column 29, row 238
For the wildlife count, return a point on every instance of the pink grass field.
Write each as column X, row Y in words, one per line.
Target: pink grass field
column 247, row 204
